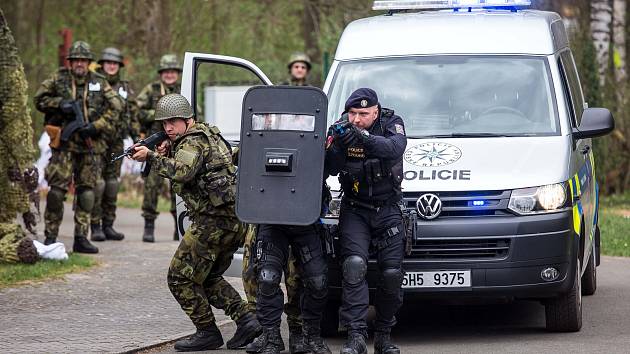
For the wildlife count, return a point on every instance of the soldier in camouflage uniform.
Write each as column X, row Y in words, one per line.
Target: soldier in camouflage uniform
column 18, row 177
column 299, row 66
column 78, row 159
column 169, row 71
column 126, row 124
column 199, row 164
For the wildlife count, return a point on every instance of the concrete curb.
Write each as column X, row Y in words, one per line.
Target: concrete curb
column 166, row 340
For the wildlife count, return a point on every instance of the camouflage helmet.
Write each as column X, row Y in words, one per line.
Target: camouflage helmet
column 112, row 54
column 173, row 105
column 299, row 56
column 80, row 50
column 169, row 61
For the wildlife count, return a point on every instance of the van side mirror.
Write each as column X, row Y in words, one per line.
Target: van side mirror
column 595, row 122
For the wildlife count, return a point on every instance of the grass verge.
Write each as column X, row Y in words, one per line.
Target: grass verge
column 615, row 233
column 15, row 274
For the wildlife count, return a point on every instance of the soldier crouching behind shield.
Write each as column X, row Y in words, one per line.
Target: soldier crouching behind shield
column 198, row 162
column 367, row 155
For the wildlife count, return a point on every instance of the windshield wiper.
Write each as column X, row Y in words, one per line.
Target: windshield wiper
column 461, row 135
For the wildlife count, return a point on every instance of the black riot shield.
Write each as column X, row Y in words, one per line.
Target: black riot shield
column 281, row 155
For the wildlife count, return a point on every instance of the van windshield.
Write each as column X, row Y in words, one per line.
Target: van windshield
column 456, row 96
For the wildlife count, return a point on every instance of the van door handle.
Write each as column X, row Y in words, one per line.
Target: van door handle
column 585, row 149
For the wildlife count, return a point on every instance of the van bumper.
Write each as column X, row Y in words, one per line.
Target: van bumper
column 535, row 242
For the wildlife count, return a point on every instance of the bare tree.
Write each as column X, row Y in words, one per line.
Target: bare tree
column 601, row 21
column 619, row 40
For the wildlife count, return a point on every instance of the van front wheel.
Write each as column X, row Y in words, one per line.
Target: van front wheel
column 589, row 279
column 564, row 313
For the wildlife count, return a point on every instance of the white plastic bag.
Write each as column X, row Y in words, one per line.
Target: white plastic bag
column 56, row 251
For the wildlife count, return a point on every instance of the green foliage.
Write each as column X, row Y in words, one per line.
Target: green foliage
column 12, row 274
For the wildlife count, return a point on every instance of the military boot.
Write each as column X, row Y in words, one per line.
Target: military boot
column 110, row 233
column 247, row 329
column 149, row 228
column 296, row 340
column 355, row 344
column 269, row 342
column 383, row 344
column 50, row 239
column 204, row 339
column 175, row 233
column 82, row 245
column 97, row 233
column 313, row 338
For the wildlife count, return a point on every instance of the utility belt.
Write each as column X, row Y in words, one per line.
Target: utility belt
column 375, row 205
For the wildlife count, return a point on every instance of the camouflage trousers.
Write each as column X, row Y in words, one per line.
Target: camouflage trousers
column 292, row 280
column 195, row 276
column 153, row 185
column 63, row 168
column 106, row 191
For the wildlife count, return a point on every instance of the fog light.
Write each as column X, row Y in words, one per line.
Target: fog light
column 549, row 274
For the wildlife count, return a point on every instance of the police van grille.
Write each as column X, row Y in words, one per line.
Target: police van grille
column 460, row 204
column 456, row 249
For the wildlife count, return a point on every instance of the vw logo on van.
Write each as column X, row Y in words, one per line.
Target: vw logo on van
column 429, row 206
column 432, row 154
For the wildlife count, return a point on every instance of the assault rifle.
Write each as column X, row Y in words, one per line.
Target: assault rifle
column 77, row 123
column 151, row 142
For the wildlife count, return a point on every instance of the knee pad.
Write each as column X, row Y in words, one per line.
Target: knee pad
column 85, row 199
column 354, row 269
column 54, row 200
column 268, row 281
column 99, row 188
column 317, row 286
column 391, row 279
column 111, row 189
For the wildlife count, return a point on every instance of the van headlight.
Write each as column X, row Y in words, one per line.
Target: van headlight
column 543, row 199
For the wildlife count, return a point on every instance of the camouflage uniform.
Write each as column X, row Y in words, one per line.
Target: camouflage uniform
column 74, row 160
column 17, row 176
column 203, row 175
column 126, row 124
column 153, row 183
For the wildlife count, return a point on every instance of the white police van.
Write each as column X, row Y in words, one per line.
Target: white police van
column 499, row 167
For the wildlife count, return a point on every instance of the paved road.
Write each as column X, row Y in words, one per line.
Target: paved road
column 512, row 328
column 121, row 305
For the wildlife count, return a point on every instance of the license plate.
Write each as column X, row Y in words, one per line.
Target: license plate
column 437, row 279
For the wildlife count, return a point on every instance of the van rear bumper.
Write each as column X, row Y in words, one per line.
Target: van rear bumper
column 535, row 242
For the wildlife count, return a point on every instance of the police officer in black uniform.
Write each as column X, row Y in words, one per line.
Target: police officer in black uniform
column 273, row 243
column 367, row 155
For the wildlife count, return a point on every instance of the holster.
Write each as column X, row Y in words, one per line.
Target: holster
column 328, row 238
column 54, row 132
column 410, row 219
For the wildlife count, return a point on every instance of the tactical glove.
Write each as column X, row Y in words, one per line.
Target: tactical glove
column 30, row 222
column 89, row 131
column 348, row 138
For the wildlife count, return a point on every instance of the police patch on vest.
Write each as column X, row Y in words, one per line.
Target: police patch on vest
column 356, row 152
column 186, row 157
column 399, row 129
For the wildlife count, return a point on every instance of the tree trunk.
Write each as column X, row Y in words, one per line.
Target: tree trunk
column 601, row 21
column 310, row 33
column 619, row 40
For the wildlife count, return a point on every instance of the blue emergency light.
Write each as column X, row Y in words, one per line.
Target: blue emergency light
column 479, row 202
column 389, row 5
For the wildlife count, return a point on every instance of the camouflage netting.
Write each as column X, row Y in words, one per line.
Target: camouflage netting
column 16, row 134
column 15, row 247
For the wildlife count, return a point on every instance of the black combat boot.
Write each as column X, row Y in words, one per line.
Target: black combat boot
column 82, row 245
column 355, row 344
column 175, row 233
column 269, row 342
column 383, row 344
column 149, row 227
column 247, row 329
column 110, row 233
column 50, row 239
column 313, row 338
column 97, row 233
column 296, row 340
column 204, row 339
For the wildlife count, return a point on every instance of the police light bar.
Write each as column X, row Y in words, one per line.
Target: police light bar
column 389, row 5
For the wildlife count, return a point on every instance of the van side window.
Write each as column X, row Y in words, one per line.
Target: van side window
column 567, row 96
column 570, row 71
